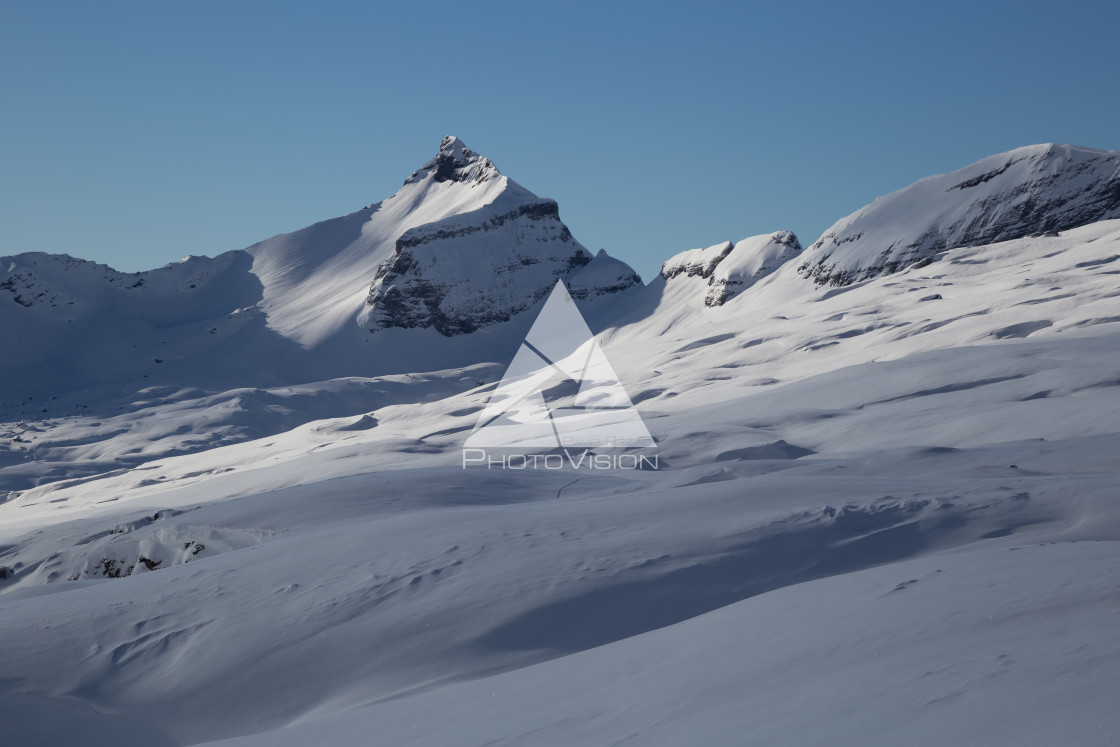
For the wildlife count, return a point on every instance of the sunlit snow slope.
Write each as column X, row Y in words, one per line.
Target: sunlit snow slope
column 1027, row 191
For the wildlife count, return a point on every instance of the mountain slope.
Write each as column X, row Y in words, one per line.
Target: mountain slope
column 1026, row 191
column 458, row 247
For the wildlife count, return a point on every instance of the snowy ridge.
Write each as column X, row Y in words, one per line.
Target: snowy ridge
column 1026, row 191
column 56, row 281
column 732, row 268
column 603, row 275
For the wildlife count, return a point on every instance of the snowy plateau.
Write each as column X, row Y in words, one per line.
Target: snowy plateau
column 233, row 508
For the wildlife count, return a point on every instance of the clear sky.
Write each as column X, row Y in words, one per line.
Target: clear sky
column 137, row 133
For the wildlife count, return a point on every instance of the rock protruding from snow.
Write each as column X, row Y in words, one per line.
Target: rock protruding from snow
column 751, row 260
column 696, row 262
column 456, row 163
column 732, row 268
column 479, row 267
column 1024, row 192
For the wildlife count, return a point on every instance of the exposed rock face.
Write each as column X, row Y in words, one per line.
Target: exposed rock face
column 482, row 266
column 1023, row 192
column 732, row 268
column 696, row 262
column 455, row 163
column 460, row 277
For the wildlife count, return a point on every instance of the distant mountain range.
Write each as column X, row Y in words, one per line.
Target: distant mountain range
column 461, row 247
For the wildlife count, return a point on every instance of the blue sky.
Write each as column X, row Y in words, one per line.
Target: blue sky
column 137, row 133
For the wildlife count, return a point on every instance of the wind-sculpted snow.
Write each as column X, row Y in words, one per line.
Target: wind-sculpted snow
column 73, row 443
column 987, row 647
column 1027, row 191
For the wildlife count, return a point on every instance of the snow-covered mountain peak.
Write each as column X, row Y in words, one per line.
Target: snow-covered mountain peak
column 1023, row 192
column 456, row 149
column 456, row 163
column 459, row 246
